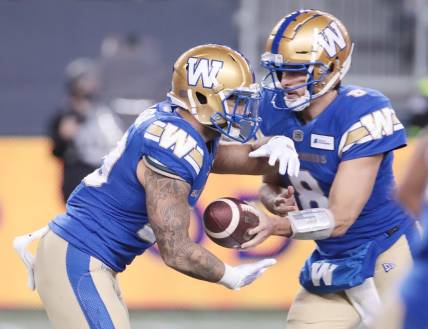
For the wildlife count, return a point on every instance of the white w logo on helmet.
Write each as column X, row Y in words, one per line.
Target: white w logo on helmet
column 201, row 68
column 331, row 37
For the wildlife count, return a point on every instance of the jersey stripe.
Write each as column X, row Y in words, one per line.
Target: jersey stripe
column 159, row 168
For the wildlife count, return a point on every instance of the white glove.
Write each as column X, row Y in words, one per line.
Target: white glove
column 239, row 276
column 281, row 149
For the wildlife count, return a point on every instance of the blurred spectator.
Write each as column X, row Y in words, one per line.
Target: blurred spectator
column 412, row 191
column 83, row 130
column 417, row 107
column 110, row 45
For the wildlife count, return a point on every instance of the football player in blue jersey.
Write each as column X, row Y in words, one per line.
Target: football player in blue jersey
column 144, row 191
column 407, row 306
column 345, row 137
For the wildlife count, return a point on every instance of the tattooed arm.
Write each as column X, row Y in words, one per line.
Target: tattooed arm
column 169, row 216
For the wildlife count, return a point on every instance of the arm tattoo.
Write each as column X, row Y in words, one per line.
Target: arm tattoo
column 169, row 216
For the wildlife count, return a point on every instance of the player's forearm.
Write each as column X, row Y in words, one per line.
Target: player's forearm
column 169, row 217
column 193, row 260
column 343, row 218
column 345, row 206
column 232, row 158
column 282, row 227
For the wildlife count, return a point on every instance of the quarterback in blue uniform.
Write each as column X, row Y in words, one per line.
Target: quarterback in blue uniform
column 145, row 189
column 344, row 136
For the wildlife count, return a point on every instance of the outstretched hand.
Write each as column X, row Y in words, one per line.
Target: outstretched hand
column 239, row 276
column 262, row 231
column 280, row 149
column 283, row 203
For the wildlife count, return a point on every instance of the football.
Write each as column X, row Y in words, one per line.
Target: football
column 227, row 220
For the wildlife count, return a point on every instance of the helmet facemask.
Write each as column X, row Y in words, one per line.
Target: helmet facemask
column 239, row 119
column 315, row 72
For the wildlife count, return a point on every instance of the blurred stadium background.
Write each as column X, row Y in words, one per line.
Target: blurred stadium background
column 135, row 43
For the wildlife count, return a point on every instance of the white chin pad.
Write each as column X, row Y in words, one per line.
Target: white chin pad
column 311, row 224
column 298, row 104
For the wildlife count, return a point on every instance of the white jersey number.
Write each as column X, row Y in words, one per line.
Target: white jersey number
column 308, row 191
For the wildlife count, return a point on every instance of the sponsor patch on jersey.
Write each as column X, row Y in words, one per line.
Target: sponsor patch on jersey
column 322, row 142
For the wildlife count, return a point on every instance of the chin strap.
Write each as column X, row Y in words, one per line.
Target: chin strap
column 20, row 243
column 299, row 104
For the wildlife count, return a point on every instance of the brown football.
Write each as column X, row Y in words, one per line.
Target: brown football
column 227, row 220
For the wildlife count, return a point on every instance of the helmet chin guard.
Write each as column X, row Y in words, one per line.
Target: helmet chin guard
column 240, row 114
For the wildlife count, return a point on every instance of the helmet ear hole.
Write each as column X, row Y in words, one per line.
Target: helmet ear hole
column 201, row 98
column 332, row 67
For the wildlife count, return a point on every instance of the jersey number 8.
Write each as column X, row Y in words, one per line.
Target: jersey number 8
column 308, row 191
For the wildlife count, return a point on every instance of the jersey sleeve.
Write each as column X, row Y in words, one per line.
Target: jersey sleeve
column 172, row 151
column 374, row 131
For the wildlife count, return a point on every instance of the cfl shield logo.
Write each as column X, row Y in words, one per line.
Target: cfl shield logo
column 388, row 267
column 203, row 69
column 331, row 37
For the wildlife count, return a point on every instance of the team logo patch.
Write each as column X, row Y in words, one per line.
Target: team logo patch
column 322, row 142
column 388, row 267
column 298, row 135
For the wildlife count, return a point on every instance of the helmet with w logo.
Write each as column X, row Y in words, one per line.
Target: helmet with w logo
column 309, row 41
column 217, row 86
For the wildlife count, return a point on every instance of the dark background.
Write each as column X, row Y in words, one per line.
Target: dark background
column 38, row 38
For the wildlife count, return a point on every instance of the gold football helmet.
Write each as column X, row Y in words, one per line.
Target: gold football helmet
column 217, row 86
column 309, row 41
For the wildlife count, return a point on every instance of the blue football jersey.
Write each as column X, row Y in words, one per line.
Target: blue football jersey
column 106, row 214
column 360, row 122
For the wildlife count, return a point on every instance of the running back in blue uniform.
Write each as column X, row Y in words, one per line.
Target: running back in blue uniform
column 107, row 210
column 144, row 191
column 345, row 137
